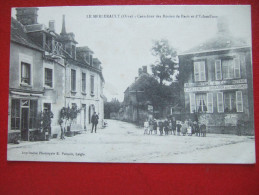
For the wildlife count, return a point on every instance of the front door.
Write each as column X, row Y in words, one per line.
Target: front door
column 25, row 124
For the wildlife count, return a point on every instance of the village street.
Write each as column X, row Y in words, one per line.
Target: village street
column 124, row 142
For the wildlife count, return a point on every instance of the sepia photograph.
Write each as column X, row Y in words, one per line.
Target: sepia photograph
column 131, row 84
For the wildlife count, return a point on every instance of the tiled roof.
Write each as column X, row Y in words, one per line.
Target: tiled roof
column 19, row 35
column 219, row 42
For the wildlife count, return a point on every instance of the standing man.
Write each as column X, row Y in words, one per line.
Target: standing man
column 94, row 121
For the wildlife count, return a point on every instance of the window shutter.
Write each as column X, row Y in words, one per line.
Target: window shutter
column 239, row 101
column 196, row 71
column 236, row 67
column 192, row 103
column 210, row 102
column 218, row 73
column 220, row 102
column 202, row 71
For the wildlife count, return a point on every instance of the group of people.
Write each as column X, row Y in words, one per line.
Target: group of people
column 171, row 126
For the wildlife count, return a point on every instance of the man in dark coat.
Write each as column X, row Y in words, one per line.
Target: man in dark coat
column 94, row 121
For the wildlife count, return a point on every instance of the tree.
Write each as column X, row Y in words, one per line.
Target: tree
column 113, row 106
column 164, row 67
column 66, row 117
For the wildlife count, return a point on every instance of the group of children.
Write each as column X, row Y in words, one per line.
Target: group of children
column 171, row 126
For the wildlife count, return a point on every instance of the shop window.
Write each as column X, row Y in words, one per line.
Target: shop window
column 33, row 114
column 15, row 114
column 48, row 77
column 229, row 102
column 239, row 101
column 199, row 71
column 210, row 102
column 73, row 80
column 220, row 104
column 83, row 82
column 192, row 103
column 25, row 73
column 201, row 102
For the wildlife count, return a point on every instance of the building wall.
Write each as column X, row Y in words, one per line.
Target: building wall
column 226, row 121
column 87, row 99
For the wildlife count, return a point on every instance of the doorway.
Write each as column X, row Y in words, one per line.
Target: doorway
column 25, row 124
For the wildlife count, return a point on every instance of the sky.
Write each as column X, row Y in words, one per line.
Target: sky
column 122, row 36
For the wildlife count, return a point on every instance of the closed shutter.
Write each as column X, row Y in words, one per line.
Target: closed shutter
column 237, row 68
column 210, row 102
column 220, row 102
column 196, row 71
column 218, row 73
column 239, row 101
column 192, row 103
column 202, row 71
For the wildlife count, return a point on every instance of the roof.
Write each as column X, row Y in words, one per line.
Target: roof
column 19, row 35
column 140, row 82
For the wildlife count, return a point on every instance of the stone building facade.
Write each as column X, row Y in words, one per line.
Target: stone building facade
column 47, row 73
column 217, row 83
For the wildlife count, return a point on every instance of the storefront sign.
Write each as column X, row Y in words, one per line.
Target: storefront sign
column 225, row 82
column 215, row 88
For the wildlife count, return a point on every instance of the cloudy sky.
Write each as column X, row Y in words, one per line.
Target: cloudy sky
column 123, row 44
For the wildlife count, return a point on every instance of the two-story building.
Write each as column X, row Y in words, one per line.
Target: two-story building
column 216, row 79
column 46, row 75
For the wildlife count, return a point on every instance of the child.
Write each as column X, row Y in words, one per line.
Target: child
column 146, row 127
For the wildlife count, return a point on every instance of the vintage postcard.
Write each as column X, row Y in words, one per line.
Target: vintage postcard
column 134, row 84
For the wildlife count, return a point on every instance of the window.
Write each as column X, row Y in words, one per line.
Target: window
column 48, row 77
column 229, row 102
column 33, row 114
column 92, row 84
column 239, row 101
column 218, row 73
column 25, row 73
column 15, row 114
column 73, row 80
column 210, row 102
column 192, row 103
column 83, row 82
column 199, row 71
column 201, row 102
column 220, row 102
column 231, row 68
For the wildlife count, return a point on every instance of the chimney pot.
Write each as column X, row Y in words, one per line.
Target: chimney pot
column 52, row 25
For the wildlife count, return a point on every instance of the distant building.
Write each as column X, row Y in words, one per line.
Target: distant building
column 46, row 75
column 217, row 82
column 138, row 97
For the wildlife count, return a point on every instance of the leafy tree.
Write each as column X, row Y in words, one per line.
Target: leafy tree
column 113, row 106
column 164, row 67
column 66, row 117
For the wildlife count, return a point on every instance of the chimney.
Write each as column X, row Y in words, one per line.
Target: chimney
column 27, row 15
column 63, row 31
column 52, row 25
column 144, row 69
column 140, row 71
column 223, row 25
